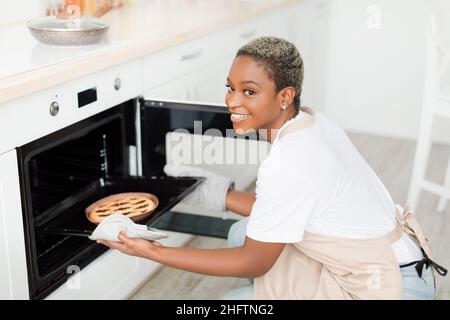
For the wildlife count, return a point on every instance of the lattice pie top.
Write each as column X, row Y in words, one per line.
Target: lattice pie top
column 134, row 205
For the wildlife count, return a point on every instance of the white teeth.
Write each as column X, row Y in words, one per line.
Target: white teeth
column 239, row 116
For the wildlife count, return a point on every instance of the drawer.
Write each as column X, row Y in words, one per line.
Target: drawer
column 245, row 32
column 177, row 61
column 274, row 24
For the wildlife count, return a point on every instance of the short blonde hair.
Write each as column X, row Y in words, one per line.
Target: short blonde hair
column 282, row 61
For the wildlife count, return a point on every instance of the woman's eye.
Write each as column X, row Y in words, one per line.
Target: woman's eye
column 249, row 92
column 229, row 87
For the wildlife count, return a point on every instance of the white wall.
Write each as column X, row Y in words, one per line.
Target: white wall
column 375, row 76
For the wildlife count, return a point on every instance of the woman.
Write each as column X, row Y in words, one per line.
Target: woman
column 321, row 224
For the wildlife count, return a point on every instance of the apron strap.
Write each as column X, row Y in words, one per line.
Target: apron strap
column 395, row 234
column 298, row 124
column 409, row 224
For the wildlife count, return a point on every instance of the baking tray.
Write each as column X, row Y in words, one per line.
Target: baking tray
column 68, row 217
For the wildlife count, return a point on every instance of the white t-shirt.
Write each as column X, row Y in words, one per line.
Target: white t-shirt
column 315, row 180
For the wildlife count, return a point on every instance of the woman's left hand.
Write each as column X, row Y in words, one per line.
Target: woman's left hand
column 132, row 246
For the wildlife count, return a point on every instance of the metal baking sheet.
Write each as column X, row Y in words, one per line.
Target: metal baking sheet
column 68, row 217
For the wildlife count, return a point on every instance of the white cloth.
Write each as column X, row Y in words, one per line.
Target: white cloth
column 211, row 193
column 314, row 179
column 110, row 227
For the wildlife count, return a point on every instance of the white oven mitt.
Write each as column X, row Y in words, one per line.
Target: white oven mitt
column 211, row 193
column 110, row 227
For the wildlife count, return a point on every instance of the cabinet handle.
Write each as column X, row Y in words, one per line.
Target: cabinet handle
column 248, row 34
column 192, row 55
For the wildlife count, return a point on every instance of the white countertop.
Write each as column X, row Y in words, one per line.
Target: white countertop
column 27, row 66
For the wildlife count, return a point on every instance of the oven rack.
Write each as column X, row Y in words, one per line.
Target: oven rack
column 68, row 217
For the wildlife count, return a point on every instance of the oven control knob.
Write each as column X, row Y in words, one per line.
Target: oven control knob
column 54, row 108
column 117, row 83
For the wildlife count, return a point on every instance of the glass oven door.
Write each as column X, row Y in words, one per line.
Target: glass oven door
column 199, row 135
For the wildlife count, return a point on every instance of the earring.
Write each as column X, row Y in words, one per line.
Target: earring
column 284, row 107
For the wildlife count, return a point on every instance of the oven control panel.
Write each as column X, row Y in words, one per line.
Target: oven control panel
column 41, row 113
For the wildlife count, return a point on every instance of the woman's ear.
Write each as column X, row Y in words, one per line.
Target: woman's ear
column 286, row 97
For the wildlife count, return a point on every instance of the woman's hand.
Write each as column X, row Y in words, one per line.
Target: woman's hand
column 132, row 246
column 211, row 193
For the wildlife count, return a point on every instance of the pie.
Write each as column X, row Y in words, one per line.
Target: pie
column 135, row 205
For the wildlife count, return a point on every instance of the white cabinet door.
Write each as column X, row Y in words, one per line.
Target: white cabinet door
column 13, row 268
column 316, row 64
column 205, row 85
column 179, row 89
column 209, row 82
column 309, row 30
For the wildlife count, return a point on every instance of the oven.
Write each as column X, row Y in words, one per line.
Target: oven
column 122, row 149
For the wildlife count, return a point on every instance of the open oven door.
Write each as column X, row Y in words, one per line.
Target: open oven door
column 62, row 174
column 199, row 135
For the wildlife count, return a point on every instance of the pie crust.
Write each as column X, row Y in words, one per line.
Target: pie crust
column 135, row 205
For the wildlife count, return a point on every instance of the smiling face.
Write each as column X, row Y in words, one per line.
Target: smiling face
column 252, row 97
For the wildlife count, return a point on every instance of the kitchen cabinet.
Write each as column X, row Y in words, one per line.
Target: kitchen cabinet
column 199, row 70
column 179, row 89
column 206, row 85
column 13, row 269
column 172, row 63
column 275, row 24
column 209, row 82
column 309, row 30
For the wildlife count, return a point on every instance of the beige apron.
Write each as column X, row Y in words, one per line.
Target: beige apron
column 335, row 268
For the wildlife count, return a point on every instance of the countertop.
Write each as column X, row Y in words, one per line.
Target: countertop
column 28, row 66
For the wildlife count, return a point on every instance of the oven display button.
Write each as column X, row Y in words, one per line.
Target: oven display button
column 117, row 84
column 87, row 97
column 54, row 108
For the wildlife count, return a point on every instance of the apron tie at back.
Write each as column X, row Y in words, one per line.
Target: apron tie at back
column 408, row 222
column 426, row 261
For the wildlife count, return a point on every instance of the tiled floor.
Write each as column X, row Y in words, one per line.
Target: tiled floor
column 392, row 160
